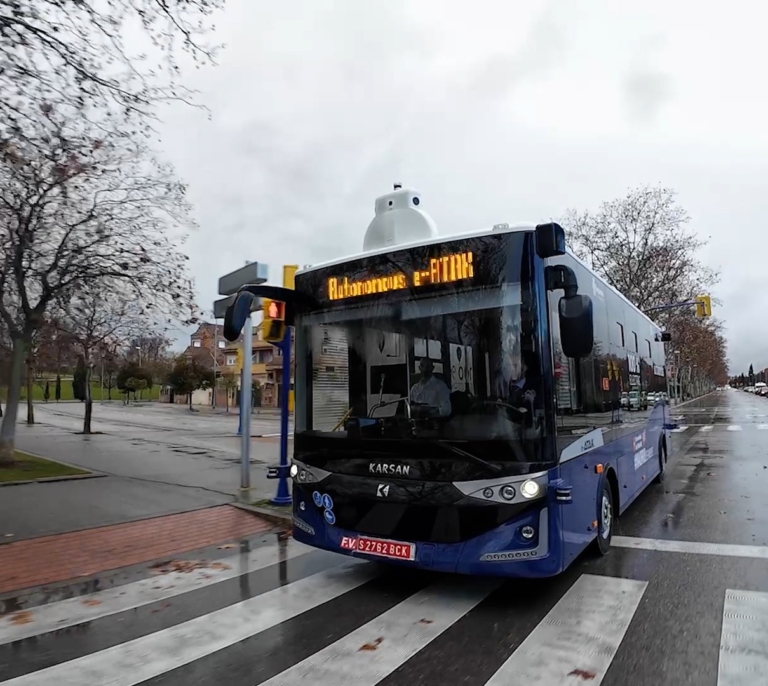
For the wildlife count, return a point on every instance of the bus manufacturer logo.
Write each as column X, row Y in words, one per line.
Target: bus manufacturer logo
column 382, row 491
column 587, row 444
column 389, row 469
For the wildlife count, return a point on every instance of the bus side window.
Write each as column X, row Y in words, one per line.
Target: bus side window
column 583, row 388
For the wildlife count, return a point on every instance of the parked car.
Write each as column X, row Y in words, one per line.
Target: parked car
column 637, row 401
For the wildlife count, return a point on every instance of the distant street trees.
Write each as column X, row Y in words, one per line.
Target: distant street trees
column 188, row 376
column 129, row 378
column 643, row 246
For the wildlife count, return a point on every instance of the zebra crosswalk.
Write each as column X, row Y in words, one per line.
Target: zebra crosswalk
column 706, row 428
column 339, row 622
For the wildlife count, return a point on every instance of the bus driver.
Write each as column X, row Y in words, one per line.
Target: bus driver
column 431, row 391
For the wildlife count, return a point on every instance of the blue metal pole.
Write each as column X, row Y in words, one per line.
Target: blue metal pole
column 240, row 411
column 283, row 496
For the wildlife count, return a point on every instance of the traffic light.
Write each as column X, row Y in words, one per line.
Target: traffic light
column 273, row 324
column 703, row 306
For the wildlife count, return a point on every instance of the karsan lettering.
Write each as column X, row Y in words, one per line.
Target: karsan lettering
column 389, row 469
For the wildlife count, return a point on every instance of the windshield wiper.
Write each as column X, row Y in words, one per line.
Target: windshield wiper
column 474, row 458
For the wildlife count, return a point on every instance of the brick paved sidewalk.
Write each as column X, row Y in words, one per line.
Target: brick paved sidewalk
column 48, row 559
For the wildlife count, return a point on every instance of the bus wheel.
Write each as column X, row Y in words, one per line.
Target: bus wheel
column 605, row 519
column 662, row 461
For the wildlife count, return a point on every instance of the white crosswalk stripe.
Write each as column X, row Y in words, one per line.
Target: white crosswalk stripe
column 707, row 428
column 679, row 429
column 576, row 641
column 743, row 645
column 131, row 663
column 393, row 637
column 111, row 601
column 734, row 427
column 579, row 637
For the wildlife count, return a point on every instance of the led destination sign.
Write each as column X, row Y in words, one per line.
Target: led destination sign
column 445, row 269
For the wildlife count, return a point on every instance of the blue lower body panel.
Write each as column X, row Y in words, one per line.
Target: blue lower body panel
column 500, row 552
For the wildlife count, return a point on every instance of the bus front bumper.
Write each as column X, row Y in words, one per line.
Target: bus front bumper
column 502, row 551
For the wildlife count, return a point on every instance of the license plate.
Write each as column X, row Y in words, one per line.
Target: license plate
column 380, row 547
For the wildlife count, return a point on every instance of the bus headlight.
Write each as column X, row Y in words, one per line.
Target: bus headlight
column 294, row 470
column 530, row 489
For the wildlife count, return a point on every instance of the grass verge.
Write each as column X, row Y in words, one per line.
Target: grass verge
column 31, row 468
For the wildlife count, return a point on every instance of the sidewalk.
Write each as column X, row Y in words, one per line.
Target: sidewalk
column 79, row 554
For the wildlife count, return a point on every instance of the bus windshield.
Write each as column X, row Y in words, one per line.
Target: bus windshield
column 460, row 367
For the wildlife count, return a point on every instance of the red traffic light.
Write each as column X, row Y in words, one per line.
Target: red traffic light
column 274, row 309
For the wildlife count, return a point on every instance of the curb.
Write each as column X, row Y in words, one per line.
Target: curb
column 693, row 399
column 52, row 479
column 274, row 516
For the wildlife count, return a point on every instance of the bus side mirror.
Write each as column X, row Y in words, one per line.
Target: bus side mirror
column 576, row 325
column 550, row 240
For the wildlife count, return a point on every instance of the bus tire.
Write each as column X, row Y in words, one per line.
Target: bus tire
column 662, row 461
column 606, row 518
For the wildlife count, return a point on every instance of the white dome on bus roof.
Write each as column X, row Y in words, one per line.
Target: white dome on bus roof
column 399, row 219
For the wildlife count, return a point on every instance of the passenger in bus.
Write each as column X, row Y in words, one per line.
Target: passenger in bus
column 431, row 391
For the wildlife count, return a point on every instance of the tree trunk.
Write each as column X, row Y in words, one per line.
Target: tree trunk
column 8, row 426
column 88, row 399
column 30, row 391
column 190, row 402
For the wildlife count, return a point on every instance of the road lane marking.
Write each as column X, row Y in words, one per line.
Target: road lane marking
column 375, row 650
column 743, row 647
column 709, row 427
column 679, row 429
column 762, row 427
column 86, row 608
column 734, row 427
column 759, row 552
column 579, row 637
column 131, row 663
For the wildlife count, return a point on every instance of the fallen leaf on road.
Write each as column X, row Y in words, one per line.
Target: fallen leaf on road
column 185, row 566
column 710, row 473
column 722, row 511
column 91, row 602
column 426, row 621
column 583, row 673
column 227, row 546
column 24, row 617
column 373, row 645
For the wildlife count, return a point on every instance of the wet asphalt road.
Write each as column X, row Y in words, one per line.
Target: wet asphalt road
column 682, row 598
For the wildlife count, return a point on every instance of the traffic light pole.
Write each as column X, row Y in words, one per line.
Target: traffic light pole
column 245, row 412
column 283, row 496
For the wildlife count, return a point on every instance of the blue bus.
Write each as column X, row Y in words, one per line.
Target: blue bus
column 458, row 400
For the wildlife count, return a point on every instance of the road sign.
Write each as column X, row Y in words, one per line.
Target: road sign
column 254, row 272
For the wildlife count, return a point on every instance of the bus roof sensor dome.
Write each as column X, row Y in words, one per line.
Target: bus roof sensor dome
column 399, row 219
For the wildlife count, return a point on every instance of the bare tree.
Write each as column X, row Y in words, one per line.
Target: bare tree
column 642, row 245
column 96, row 318
column 74, row 55
column 84, row 211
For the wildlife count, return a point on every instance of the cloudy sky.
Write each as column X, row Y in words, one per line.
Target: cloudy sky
column 494, row 113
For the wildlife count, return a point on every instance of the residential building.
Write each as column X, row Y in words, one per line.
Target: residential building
column 207, row 348
column 266, row 369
